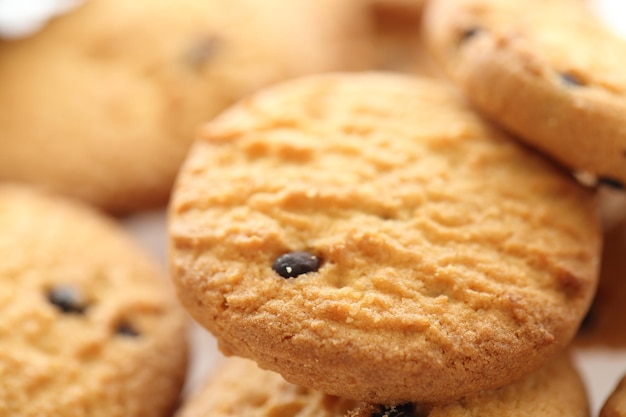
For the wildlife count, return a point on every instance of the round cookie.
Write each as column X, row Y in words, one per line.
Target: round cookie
column 615, row 405
column 443, row 258
column 103, row 103
column 240, row 388
column 548, row 71
column 88, row 324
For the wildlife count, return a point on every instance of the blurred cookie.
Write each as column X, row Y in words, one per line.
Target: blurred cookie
column 397, row 36
column 88, row 324
column 615, row 405
column 369, row 236
column 605, row 322
column 103, row 103
column 240, row 388
column 549, row 71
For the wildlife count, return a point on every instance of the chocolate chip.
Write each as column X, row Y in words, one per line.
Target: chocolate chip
column 126, row 330
column 67, row 299
column 470, row 33
column 571, row 79
column 611, row 182
column 403, row 410
column 202, row 51
column 292, row 264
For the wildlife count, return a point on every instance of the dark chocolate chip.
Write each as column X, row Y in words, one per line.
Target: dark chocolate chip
column 402, row 410
column 202, row 51
column 126, row 330
column 292, row 264
column 67, row 299
column 611, row 182
column 470, row 33
column 571, row 80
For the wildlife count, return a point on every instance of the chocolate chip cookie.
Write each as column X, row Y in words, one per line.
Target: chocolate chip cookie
column 103, row 103
column 550, row 71
column 88, row 324
column 369, row 236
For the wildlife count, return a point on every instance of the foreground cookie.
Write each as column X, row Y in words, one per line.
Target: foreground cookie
column 615, row 405
column 104, row 102
column 240, row 388
column 547, row 70
column 368, row 236
column 88, row 326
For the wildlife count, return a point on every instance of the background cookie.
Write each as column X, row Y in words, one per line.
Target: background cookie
column 604, row 324
column 240, row 388
column 547, row 70
column 88, row 325
column 102, row 104
column 615, row 405
column 444, row 258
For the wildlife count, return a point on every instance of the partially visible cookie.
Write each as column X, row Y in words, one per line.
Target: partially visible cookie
column 549, row 71
column 88, row 324
column 615, row 405
column 369, row 236
column 241, row 389
column 103, row 103
column 604, row 325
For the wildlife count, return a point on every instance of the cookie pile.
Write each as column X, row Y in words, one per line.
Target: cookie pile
column 423, row 241
column 388, row 241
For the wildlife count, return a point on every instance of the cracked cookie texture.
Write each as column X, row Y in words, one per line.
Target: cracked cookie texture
column 549, row 71
column 435, row 256
column 89, row 326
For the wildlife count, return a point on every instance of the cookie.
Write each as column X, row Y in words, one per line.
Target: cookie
column 604, row 323
column 88, row 324
column 240, row 388
column 369, row 236
column 103, row 103
column 549, row 71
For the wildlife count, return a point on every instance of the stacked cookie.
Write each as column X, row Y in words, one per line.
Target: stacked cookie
column 373, row 243
column 88, row 324
column 102, row 104
column 370, row 237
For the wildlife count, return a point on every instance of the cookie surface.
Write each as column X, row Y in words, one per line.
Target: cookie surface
column 240, row 388
column 547, row 70
column 443, row 258
column 103, row 103
column 88, row 324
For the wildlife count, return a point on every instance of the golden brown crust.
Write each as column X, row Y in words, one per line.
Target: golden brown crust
column 547, row 70
column 240, row 389
column 88, row 324
column 453, row 259
column 103, row 103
